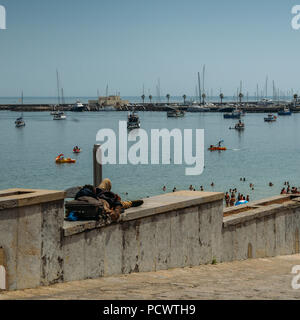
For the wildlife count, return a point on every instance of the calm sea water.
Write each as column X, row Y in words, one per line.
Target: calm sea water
column 264, row 152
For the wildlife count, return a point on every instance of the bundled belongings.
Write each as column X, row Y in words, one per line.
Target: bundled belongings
column 95, row 203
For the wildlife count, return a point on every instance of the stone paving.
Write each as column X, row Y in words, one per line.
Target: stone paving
column 268, row 278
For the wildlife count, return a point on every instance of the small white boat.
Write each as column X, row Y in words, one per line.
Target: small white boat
column 60, row 116
column 270, row 118
column 175, row 113
column 20, row 122
column 133, row 121
column 240, row 125
column 78, row 107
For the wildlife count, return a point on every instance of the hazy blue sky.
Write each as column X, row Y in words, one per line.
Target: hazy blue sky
column 128, row 43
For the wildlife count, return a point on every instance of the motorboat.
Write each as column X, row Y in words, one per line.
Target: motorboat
column 133, row 121
column 59, row 116
column 20, row 122
column 175, row 113
column 285, row 112
column 270, row 118
column 233, row 115
column 78, row 107
column 239, row 126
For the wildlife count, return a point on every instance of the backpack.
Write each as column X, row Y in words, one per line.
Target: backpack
column 85, row 208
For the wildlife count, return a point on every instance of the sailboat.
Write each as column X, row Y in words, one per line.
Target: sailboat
column 20, row 122
column 58, row 115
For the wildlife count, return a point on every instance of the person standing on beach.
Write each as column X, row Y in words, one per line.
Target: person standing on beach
column 227, row 199
column 232, row 199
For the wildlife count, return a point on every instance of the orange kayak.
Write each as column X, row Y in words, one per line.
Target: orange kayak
column 217, row 149
column 67, row 160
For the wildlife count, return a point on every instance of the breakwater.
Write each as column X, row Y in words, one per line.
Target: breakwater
column 217, row 107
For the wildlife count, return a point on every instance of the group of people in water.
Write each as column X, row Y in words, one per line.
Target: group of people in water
column 288, row 189
column 191, row 188
column 231, row 199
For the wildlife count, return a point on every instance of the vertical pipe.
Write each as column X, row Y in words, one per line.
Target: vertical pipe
column 97, row 167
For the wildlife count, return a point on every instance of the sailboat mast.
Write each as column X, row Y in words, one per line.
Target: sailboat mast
column 58, row 94
column 199, row 85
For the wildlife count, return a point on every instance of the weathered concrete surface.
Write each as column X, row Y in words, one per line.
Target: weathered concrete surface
column 250, row 279
column 266, row 228
column 169, row 231
column 30, row 233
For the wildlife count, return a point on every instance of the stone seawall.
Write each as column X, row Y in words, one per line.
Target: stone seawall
column 174, row 230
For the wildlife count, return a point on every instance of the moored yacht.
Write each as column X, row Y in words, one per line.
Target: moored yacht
column 133, row 121
column 78, row 107
column 285, row 112
column 20, row 122
column 59, row 116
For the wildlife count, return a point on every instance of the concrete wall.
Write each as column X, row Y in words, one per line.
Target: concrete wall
column 30, row 231
column 180, row 229
column 266, row 228
column 169, row 231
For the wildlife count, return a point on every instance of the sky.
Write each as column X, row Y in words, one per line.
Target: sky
column 130, row 44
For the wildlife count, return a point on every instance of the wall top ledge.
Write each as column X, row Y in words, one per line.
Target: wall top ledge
column 152, row 206
column 15, row 198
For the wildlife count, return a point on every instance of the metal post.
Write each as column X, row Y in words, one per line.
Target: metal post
column 97, row 167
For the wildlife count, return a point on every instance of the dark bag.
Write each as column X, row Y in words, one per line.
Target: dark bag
column 84, row 210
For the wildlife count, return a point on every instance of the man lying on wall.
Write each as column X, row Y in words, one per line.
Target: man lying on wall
column 102, row 200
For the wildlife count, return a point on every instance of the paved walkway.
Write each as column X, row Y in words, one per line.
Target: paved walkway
column 251, row 279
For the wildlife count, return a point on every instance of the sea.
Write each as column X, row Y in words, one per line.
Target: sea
column 262, row 153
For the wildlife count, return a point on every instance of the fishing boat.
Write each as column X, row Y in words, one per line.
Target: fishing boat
column 175, row 113
column 133, row 121
column 285, row 112
column 270, row 118
column 217, row 147
column 20, row 122
column 233, row 115
column 61, row 159
column 59, row 116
